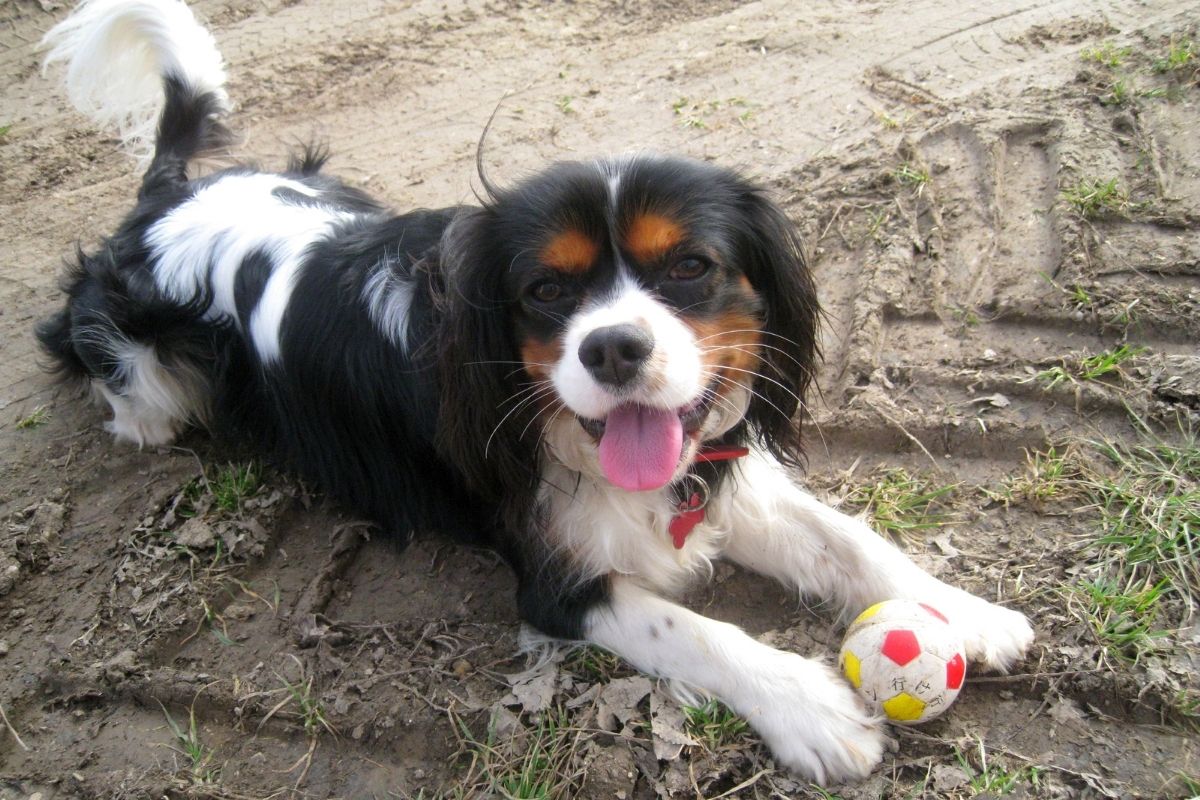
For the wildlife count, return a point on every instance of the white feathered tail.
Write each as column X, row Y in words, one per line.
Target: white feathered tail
column 118, row 53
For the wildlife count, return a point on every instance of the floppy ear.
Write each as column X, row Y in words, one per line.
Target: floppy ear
column 479, row 371
column 773, row 260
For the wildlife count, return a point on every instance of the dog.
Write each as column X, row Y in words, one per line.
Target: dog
column 598, row 372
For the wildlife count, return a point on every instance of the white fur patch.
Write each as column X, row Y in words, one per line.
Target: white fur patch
column 389, row 299
column 202, row 244
column 117, row 52
column 155, row 401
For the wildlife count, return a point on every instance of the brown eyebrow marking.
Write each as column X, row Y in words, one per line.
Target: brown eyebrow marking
column 650, row 236
column 570, row 251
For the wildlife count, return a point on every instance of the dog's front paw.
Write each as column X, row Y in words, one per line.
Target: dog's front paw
column 994, row 636
column 813, row 722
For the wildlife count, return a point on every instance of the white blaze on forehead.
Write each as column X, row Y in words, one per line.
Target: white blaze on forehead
column 673, row 375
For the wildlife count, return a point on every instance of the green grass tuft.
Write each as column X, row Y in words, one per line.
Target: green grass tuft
column 900, row 504
column 188, row 744
column 911, row 175
column 1180, row 55
column 36, row 419
column 230, row 486
column 714, row 724
column 1148, row 502
column 308, row 706
column 1120, row 92
column 694, row 113
column 996, row 779
column 1095, row 367
column 890, row 122
column 1107, row 54
column 1092, row 197
column 1140, row 505
column 1124, row 617
column 233, row 484
column 1049, row 477
column 593, row 664
column 1089, row 368
column 537, row 763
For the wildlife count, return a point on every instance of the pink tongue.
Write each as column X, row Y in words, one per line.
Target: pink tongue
column 640, row 448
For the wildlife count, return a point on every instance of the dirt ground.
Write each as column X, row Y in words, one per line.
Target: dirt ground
column 1001, row 203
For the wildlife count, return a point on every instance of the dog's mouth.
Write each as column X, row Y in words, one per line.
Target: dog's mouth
column 640, row 446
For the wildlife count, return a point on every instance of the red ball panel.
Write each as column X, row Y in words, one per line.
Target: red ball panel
column 934, row 612
column 956, row 668
column 901, row 646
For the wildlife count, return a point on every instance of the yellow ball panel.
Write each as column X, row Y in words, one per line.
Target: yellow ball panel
column 903, row 708
column 868, row 613
column 852, row 668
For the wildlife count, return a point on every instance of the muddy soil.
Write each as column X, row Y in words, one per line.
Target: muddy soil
column 160, row 636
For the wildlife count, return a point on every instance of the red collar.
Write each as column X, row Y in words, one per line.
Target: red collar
column 721, row 452
column 690, row 512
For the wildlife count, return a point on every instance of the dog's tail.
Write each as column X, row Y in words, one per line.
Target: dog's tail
column 138, row 65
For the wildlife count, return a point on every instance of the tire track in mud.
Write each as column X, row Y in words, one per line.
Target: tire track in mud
column 989, row 239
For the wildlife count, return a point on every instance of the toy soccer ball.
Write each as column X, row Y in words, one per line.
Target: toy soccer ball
column 904, row 659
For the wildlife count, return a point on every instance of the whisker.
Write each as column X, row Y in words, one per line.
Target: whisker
column 812, row 419
column 532, row 387
column 739, row 384
column 477, row 363
column 555, row 317
column 750, row 330
column 487, row 445
column 718, row 399
column 782, row 386
column 542, row 434
column 743, row 348
column 534, row 419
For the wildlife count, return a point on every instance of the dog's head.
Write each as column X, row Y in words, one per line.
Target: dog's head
column 616, row 316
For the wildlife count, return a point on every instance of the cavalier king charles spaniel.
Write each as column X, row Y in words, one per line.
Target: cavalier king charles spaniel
column 598, row 372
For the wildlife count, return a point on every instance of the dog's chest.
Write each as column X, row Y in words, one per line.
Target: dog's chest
column 642, row 534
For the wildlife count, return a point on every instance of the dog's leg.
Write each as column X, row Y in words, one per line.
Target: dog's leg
column 805, row 712
column 780, row 530
column 151, row 401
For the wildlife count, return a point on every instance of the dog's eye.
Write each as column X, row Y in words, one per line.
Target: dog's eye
column 688, row 269
column 546, row 291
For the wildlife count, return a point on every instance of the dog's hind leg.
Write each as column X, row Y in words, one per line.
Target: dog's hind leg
column 144, row 356
column 152, row 401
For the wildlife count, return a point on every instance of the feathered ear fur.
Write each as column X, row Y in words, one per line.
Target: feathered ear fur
column 773, row 259
column 483, row 428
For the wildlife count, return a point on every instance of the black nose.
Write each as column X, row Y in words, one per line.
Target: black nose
column 615, row 355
